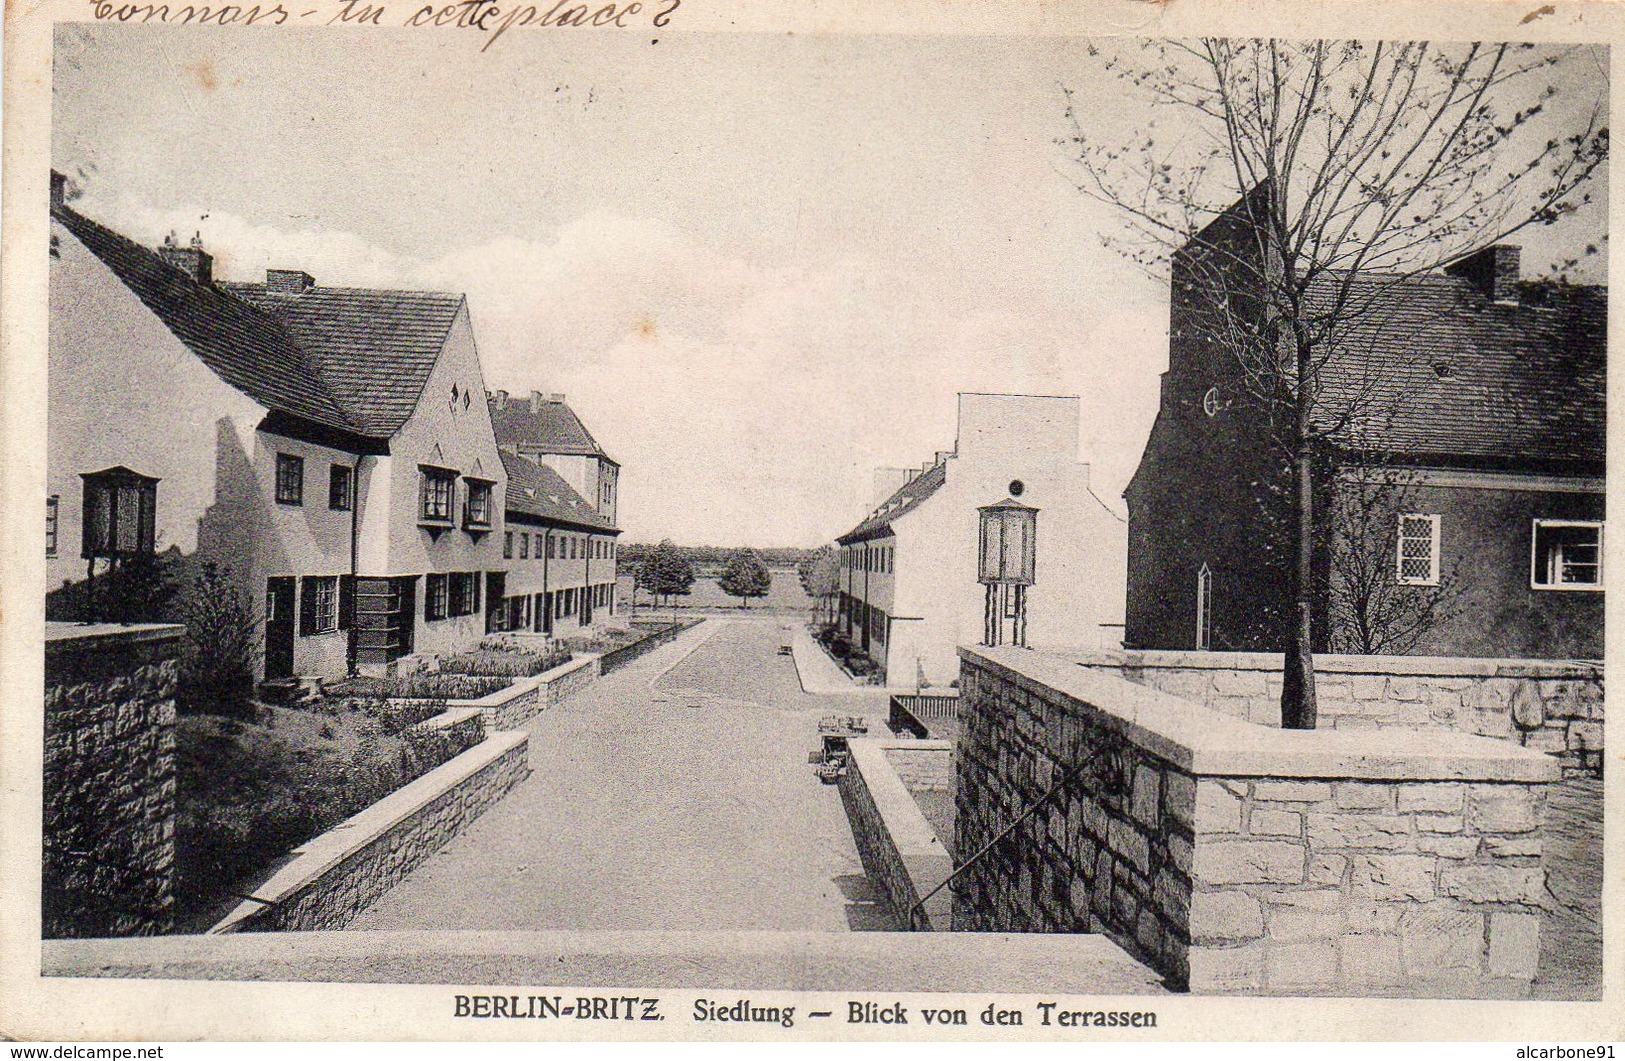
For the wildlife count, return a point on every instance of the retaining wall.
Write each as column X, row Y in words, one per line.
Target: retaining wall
column 901, row 853
column 1553, row 706
column 335, row 876
column 109, row 781
column 620, row 657
column 512, row 706
column 1233, row 857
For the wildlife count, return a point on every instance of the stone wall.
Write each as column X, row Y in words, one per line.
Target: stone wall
column 1233, row 857
column 561, row 683
column 901, row 853
column 512, row 706
column 1553, row 706
column 338, row 874
column 109, row 793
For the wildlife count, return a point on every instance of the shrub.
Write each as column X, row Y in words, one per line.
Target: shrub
column 504, row 662
column 443, row 686
column 222, row 645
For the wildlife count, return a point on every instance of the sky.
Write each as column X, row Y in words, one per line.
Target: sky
column 759, row 266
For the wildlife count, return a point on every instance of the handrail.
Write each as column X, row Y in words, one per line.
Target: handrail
column 916, row 912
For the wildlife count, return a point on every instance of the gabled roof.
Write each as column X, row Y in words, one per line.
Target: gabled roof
column 247, row 349
column 538, row 491
column 1435, row 369
column 910, row 496
column 375, row 349
column 545, row 426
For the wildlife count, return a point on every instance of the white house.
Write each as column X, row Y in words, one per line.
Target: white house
column 560, row 552
column 329, row 446
column 911, row 590
column 562, row 557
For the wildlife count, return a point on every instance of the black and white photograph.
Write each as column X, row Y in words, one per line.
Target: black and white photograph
column 606, row 521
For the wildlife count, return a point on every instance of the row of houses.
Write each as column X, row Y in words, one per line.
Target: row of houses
column 1460, row 482
column 334, row 449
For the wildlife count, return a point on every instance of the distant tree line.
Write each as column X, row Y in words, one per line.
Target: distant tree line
column 715, row 556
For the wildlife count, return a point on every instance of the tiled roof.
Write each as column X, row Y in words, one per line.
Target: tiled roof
column 910, row 496
column 244, row 347
column 537, row 490
column 375, row 349
column 1435, row 368
column 549, row 427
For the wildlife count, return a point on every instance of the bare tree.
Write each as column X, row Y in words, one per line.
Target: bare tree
column 1381, row 600
column 1351, row 161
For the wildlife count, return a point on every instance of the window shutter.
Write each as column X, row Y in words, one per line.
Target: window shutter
column 346, row 600
column 307, row 606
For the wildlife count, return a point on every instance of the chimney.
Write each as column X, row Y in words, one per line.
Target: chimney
column 943, row 455
column 1493, row 270
column 499, row 399
column 194, row 261
column 538, row 399
column 288, row 282
column 59, row 190
column 887, row 482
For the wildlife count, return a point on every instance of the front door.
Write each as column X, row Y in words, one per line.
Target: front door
column 278, row 628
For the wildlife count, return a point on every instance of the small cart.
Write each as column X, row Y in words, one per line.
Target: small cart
column 829, row 760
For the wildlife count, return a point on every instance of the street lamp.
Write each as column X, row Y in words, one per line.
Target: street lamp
column 1007, row 566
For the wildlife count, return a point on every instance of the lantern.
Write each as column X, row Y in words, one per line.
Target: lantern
column 1007, row 565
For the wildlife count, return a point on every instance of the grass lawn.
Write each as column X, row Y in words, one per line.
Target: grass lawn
column 251, row 792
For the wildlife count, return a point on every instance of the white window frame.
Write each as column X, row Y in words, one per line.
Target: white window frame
column 325, row 609
column 1400, row 538
column 1535, row 565
column 1204, row 608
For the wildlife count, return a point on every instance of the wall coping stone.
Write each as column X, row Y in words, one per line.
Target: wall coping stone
column 321, row 853
column 1332, row 663
column 447, row 719
column 910, row 832
column 1205, row 742
column 72, row 637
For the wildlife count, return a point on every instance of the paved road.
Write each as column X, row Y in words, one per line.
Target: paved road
column 672, row 794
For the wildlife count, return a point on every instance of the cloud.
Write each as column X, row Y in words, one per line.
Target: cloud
column 746, row 402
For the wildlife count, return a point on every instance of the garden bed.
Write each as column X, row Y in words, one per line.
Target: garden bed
column 250, row 792
column 859, row 667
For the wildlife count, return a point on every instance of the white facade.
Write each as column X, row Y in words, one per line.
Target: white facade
column 918, row 571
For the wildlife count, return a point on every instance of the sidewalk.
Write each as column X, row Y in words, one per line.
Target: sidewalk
column 821, row 675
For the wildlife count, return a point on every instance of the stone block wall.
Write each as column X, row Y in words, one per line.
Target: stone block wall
column 1233, row 857
column 901, row 853
column 1553, row 706
column 336, row 875
column 109, row 798
column 561, row 683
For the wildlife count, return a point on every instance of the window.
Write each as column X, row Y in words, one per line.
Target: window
column 477, row 512
column 507, row 545
column 524, row 546
column 436, row 597
column 552, row 548
column 290, row 479
column 51, row 505
column 319, row 605
column 462, row 593
column 340, row 488
column 120, row 513
column 1417, row 562
column 435, row 494
column 1204, row 608
column 1567, row 554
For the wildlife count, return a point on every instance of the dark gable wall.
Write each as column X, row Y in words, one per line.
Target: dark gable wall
column 1196, row 494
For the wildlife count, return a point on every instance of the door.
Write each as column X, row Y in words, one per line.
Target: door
column 279, row 620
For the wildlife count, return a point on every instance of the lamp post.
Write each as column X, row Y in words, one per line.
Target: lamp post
column 1007, row 564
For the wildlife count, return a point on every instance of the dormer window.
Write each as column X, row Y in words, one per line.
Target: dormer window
column 120, row 511
column 477, row 509
column 435, row 492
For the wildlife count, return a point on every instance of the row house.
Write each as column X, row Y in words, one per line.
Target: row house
column 563, row 558
column 999, row 540
column 329, row 447
column 1460, row 477
column 561, row 555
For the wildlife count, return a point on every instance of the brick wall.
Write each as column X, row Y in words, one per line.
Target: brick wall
column 1233, row 857
column 900, row 852
column 109, row 799
column 1553, row 706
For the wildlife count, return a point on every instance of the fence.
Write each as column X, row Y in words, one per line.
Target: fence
column 933, row 715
